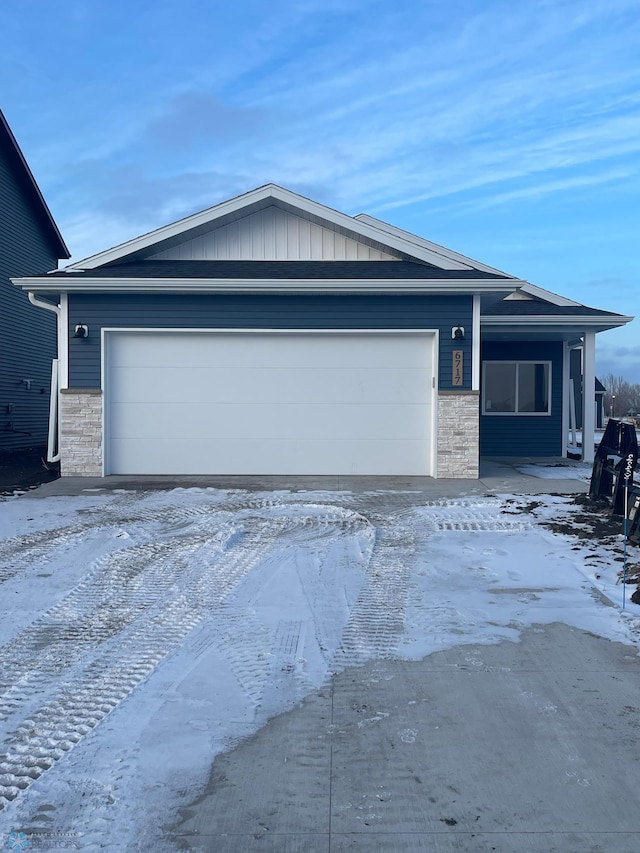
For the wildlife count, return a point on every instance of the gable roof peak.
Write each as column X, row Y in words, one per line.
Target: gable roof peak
column 392, row 242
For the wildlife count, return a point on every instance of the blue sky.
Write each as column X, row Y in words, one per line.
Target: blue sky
column 507, row 131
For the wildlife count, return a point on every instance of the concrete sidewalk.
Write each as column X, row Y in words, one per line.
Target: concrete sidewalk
column 497, row 476
column 515, row 748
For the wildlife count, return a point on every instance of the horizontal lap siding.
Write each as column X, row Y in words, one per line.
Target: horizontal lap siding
column 521, row 435
column 27, row 334
column 266, row 312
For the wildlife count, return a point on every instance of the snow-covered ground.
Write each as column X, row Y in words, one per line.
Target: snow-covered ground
column 560, row 471
column 142, row 634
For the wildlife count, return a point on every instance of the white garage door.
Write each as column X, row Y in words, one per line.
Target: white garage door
column 268, row 403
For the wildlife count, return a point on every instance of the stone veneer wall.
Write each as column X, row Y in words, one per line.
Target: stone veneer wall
column 81, row 432
column 458, row 434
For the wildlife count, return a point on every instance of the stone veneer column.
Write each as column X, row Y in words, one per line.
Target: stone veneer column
column 81, row 432
column 458, row 434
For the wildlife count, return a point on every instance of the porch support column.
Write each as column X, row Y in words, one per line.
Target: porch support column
column 566, row 378
column 475, row 343
column 588, row 396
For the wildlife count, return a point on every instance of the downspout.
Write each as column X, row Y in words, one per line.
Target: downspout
column 53, row 442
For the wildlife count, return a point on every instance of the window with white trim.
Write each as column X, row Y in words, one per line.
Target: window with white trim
column 516, row 388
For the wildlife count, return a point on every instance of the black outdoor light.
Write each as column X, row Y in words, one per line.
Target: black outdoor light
column 81, row 331
column 457, row 333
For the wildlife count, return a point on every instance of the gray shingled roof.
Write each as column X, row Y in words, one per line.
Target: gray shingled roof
column 538, row 308
column 278, row 270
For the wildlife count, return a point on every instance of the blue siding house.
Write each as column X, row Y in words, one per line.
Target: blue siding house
column 273, row 335
column 30, row 243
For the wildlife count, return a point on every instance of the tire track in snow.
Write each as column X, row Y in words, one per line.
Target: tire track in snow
column 82, row 658
column 22, row 552
column 377, row 620
column 257, row 658
column 77, row 663
column 98, row 610
column 76, row 705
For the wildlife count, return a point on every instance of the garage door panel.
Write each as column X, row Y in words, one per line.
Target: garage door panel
column 324, row 350
column 220, row 422
column 384, row 457
column 269, row 385
column 269, row 403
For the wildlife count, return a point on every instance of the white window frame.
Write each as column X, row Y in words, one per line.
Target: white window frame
column 517, row 363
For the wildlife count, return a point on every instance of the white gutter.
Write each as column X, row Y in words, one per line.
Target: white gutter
column 97, row 284
column 33, row 299
column 605, row 321
column 53, row 439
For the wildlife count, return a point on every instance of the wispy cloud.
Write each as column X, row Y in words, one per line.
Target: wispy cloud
column 468, row 115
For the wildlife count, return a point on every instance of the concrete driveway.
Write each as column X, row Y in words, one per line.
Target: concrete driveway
column 382, row 666
column 529, row 746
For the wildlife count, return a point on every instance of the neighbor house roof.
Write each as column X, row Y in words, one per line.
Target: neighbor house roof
column 24, row 176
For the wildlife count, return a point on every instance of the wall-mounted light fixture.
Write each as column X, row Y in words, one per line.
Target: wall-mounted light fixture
column 27, row 383
column 457, row 333
column 81, row 331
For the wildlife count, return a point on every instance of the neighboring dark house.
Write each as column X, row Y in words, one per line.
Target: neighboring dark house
column 30, row 243
column 273, row 335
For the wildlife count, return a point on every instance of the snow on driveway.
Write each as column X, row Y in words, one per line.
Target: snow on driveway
column 145, row 633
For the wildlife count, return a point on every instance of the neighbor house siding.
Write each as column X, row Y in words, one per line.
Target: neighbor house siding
column 522, row 435
column 27, row 334
column 264, row 311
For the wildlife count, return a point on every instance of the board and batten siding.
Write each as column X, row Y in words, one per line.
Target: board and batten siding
column 273, row 234
column 262, row 311
column 27, row 334
column 522, row 435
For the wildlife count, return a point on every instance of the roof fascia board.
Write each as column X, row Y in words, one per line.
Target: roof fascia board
column 269, row 192
column 548, row 295
column 207, row 285
column 61, row 249
column 435, row 248
column 566, row 320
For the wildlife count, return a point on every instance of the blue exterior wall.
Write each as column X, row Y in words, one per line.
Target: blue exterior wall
column 522, row 435
column 27, row 334
column 313, row 311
